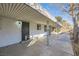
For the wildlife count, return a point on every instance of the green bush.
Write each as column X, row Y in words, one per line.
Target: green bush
column 57, row 30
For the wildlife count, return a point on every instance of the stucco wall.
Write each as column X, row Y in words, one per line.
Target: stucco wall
column 36, row 33
column 10, row 32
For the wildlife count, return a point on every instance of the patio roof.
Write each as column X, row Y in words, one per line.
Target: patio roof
column 22, row 11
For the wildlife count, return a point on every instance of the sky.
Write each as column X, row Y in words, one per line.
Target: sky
column 55, row 10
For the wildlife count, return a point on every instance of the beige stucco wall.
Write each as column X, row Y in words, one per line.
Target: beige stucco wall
column 36, row 33
column 10, row 32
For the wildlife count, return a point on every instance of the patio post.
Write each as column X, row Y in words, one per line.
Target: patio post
column 48, row 34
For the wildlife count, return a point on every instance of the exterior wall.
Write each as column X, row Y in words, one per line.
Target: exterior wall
column 34, row 33
column 10, row 32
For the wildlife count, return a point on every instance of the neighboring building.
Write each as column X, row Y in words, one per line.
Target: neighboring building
column 20, row 22
column 66, row 27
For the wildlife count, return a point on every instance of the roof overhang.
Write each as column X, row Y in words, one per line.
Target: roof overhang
column 23, row 12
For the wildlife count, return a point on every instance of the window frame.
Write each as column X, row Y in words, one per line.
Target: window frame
column 45, row 28
column 38, row 26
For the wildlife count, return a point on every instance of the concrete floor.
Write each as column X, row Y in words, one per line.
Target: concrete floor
column 59, row 46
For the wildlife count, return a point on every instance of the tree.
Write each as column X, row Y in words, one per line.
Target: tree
column 72, row 10
column 65, row 21
column 59, row 18
column 65, row 26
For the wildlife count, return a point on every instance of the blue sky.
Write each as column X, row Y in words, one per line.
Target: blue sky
column 55, row 10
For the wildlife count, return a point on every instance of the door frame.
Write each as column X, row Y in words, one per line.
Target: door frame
column 28, row 30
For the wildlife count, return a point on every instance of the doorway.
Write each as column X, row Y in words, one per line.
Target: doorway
column 25, row 31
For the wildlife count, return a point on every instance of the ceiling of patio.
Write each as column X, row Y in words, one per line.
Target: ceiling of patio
column 21, row 11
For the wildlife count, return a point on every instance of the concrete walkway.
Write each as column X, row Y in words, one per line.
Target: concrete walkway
column 59, row 46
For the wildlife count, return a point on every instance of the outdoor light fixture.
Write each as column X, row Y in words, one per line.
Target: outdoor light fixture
column 18, row 23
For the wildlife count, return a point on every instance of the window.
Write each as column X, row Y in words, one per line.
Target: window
column 45, row 28
column 38, row 26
